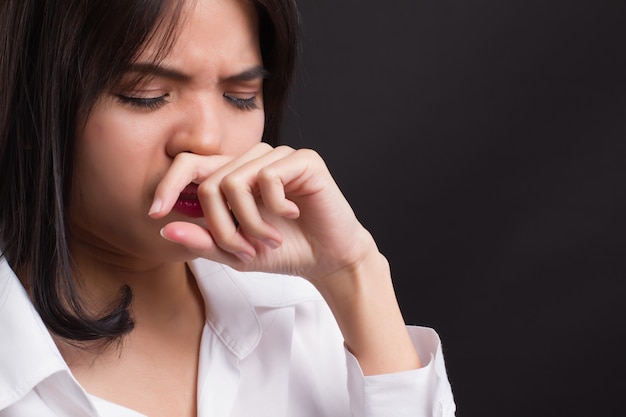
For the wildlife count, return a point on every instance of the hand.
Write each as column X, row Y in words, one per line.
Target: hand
column 292, row 217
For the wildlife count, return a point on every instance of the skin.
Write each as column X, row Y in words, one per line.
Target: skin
column 133, row 162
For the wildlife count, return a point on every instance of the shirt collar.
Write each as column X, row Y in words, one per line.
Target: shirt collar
column 233, row 298
column 229, row 312
column 28, row 355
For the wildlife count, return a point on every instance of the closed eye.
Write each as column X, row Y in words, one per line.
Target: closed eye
column 242, row 103
column 151, row 103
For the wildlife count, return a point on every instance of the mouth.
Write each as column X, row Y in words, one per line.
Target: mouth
column 188, row 203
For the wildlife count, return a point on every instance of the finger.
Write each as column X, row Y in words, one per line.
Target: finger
column 304, row 172
column 239, row 188
column 272, row 192
column 219, row 220
column 189, row 167
column 218, row 213
column 199, row 241
column 185, row 169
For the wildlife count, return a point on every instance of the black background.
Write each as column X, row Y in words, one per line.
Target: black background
column 483, row 144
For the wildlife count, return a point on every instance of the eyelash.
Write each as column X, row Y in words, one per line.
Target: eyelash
column 242, row 103
column 153, row 103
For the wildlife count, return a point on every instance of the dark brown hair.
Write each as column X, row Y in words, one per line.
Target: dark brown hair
column 56, row 58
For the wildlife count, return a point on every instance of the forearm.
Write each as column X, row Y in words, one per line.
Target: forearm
column 364, row 304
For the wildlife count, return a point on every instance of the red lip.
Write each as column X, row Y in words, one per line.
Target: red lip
column 187, row 203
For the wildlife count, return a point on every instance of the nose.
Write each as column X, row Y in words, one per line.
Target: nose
column 199, row 130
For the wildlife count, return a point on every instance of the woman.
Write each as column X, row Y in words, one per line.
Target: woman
column 159, row 258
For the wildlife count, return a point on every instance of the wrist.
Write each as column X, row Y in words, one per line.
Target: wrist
column 363, row 301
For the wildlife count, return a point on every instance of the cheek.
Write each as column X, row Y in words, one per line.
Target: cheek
column 117, row 141
column 112, row 160
column 245, row 133
column 101, row 151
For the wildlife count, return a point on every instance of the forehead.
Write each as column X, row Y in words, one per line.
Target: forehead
column 200, row 29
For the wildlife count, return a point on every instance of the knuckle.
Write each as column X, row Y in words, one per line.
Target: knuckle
column 285, row 148
column 308, row 154
column 208, row 189
column 231, row 183
column 264, row 146
column 267, row 174
column 183, row 158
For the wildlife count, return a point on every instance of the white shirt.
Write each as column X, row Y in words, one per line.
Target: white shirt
column 270, row 347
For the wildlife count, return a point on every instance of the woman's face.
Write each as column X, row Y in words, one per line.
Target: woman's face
column 204, row 97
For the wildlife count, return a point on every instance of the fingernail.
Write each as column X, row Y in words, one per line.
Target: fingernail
column 244, row 257
column 162, row 233
column 271, row 243
column 157, row 205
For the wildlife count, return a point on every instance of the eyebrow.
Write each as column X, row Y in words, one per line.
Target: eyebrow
column 146, row 68
column 250, row 74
